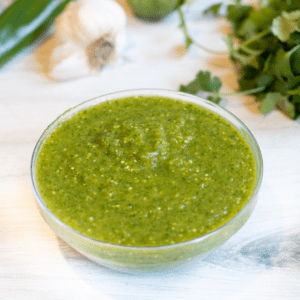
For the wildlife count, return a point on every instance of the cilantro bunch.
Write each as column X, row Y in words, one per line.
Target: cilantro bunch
column 267, row 54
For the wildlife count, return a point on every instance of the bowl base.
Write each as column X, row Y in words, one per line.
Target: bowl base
column 147, row 268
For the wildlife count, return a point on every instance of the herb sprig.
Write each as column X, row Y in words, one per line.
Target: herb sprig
column 267, row 54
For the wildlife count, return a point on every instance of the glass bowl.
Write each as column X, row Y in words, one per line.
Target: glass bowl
column 159, row 258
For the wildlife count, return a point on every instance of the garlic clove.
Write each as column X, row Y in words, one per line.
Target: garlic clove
column 120, row 42
column 98, row 18
column 64, row 23
column 91, row 34
column 68, row 61
column 87, row 20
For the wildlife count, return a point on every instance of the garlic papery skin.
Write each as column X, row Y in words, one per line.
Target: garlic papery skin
column 96, row 28
column 68, row 61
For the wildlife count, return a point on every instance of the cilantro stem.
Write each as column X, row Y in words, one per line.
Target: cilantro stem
column 255, row 38
column 189, row 41
column 209, row 50
column 247, row 92
column 293, row 50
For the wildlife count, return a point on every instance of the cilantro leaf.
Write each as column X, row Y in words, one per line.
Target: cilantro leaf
column 295, row 62
column 269, row 102
column 265, row 81
column 296, row 101
column 293, row 86
column 181, row 2
column 248, row 77
column 247, row 30
column 257, row 20
column 286, row 24
column 282, row 62
column 294, row 92
column 213, row 9
column 237, row 13
column 267, row 55
column 263, row 17
column 282, row 5
column 287, row 107
column 292, row 82
column 294, row 39
column 215, row 99
column 203, row 82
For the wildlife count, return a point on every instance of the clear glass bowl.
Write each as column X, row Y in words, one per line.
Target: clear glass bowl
column 149, row 259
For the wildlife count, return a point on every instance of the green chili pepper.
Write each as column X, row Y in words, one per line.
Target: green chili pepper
column 23, row 22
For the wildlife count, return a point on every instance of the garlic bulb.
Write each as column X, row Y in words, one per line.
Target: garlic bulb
column 90, row 35
column 69, row 61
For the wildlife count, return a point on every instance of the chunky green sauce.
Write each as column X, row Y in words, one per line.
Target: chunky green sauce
column 145, row 171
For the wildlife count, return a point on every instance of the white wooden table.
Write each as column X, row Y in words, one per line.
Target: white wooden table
column 262, row 261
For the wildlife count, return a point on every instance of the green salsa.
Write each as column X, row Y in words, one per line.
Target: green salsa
column 145, row 171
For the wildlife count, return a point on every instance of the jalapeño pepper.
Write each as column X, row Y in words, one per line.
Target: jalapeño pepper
column 23, row 22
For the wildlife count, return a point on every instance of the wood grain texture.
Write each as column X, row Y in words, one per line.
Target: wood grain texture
column 262, row 261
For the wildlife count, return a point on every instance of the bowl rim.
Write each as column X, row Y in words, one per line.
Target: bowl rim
column 143, row 92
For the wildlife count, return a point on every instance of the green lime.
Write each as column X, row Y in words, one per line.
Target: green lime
column 152, row 10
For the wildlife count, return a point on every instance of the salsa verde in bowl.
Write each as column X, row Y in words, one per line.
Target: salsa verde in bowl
column 146, row 180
